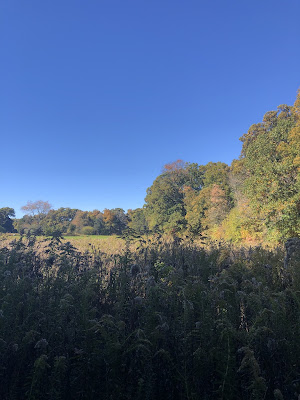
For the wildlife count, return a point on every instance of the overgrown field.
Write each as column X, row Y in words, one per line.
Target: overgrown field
column 168, row 320
column 109, row 244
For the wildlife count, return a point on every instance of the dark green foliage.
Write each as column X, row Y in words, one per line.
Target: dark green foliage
column 164, row 206
column 6, row 223
column 54, row 220
column 271, row 178
column 137, row 220
column 170, row 321
column 72, row 221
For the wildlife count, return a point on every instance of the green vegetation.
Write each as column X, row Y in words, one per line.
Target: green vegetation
column 168, row 321
column 6, row 223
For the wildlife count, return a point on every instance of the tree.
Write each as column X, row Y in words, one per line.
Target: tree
column 58, row 220
column 6, row 224
column 82, row 219
column 165, row 198
column 35, row 212
column 207, row 206
column 271, row 170
column 115, row 220
column 99, row 225
column 218, row 207
column 137, row 220
column 217, row 173
column 194, row 203
column 38, row 207
column 108, row 219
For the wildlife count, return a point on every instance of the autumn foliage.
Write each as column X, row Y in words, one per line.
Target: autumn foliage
column 254, row 200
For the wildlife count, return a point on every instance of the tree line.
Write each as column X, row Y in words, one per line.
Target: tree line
column 255, row 199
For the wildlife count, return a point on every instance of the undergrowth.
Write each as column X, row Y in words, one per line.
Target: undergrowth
column 167, row 321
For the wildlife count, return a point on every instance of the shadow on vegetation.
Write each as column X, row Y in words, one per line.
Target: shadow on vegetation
column 168, row 321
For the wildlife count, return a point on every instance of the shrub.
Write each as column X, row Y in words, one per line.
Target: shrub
column 88, row 230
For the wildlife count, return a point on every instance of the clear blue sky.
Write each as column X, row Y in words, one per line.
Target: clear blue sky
column 97, row 95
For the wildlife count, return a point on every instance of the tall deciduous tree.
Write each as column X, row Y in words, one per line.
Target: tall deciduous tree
column 38, row 207
column 35, row 212
column 137, row 220
column 270, row 159
column 207, row 207
column 165, row 198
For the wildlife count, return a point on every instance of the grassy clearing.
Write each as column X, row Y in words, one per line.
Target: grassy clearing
column 103, row 243
column 94, row 238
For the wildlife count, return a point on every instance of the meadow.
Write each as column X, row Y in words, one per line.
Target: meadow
column 102, row 243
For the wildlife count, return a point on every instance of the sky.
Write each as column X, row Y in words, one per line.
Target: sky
column 97, row 95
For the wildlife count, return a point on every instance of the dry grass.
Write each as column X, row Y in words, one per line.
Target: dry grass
column 105, row 244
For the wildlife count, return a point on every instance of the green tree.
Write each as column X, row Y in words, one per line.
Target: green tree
column 137, row 220
column 207, row 207
column 269, row 159
column 58, row 220
column 6, row 223
column 115, row 220
column 35, row 213
column 164, row 206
